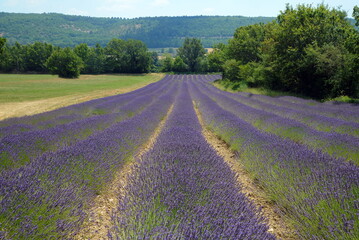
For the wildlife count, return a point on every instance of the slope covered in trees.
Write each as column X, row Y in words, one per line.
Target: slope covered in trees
column 65, row 30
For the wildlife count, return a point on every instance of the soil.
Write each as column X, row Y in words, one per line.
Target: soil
column 99, row 222
column 277, row 223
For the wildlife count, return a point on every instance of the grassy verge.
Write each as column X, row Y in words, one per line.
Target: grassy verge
column 29, row 94
column 229, row 86
column 31, row 87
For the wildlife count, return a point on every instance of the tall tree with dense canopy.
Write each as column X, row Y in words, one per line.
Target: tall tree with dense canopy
column 65, row 63
column 246, row 43
column 129, row 56
column 303, row 39
column 36, row 56
column 191, row 53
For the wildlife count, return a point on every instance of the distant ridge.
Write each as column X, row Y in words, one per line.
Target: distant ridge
column 157, row 32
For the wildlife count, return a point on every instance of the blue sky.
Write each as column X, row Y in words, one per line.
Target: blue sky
column 144, row 8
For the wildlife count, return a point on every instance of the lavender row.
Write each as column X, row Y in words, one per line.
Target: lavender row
column 75, row 112
column 181, row 189
column 17, row 150
column 318, row 192
column 310, row 117
column 338, row 145
column 344, row 111
column 48, row 198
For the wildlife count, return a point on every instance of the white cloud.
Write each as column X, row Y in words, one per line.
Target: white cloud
column 161, row 2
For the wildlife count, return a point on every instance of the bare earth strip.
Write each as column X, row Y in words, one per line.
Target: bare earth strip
column 19, row 109
column 99, row 222
column 276, row 223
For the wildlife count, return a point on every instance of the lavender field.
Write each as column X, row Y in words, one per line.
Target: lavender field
column 303, row 154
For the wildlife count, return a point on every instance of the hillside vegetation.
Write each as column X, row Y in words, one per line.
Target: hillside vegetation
column 157, row 32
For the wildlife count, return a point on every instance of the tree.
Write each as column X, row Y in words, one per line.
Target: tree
column 83, row 51
column 356, row 15
column 65, row 63
column 179, row 65
column 298, row 31
column 246, row 43
column 167, row 63
column 129, row 56
column 139, row 58
column 2, row 44
column 95, row 63
column 231, row 70
column 36, row 55
column 191, row 53
column 217, row 58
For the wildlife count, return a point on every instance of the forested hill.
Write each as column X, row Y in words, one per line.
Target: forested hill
column 157, row 32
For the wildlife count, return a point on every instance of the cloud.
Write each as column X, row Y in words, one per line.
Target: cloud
column 160, row 2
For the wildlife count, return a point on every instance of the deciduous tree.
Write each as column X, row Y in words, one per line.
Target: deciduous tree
column 65, row 63
column 191, row 53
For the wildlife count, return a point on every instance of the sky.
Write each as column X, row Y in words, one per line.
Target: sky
column 150, row 8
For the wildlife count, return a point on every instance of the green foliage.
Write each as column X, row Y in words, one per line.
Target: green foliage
column 129, row 56
column 311, row 51
column 156, row 32
column 65, row 63
column 167, row 63
column 2, row 44
column 179, row 65
column 36, row 55
column 231, row 70
column 356, row 15
column 217, row 58
column 95, row 62
column 246, row 43
column 192, row 53
column 298, row 31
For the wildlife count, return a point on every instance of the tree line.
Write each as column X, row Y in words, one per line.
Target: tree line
column 118, row 56
column 312, row 51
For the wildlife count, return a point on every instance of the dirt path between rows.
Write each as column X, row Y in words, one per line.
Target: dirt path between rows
column 98, row 224
column 276, row 223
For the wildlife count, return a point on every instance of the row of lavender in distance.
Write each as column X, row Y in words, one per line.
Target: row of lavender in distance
column 48, row 197
column 181, row 189
column 318, row 192
column 309, row 116
column 343, row 111
column 339, row 145
column 19, row 149
column 75, row 112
